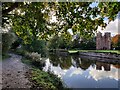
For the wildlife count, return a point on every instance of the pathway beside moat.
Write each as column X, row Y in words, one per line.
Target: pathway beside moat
column 14, row 73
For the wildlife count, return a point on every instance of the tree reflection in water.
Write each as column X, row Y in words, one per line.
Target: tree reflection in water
column 66, row 62
column 74, row 69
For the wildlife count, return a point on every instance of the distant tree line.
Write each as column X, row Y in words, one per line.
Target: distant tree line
column 73, row 42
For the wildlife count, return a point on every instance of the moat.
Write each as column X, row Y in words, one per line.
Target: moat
column 80, row 72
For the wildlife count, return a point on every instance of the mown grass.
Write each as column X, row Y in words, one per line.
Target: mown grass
column 99, row 51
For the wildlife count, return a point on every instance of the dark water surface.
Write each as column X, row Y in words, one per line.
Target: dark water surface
column 83, row 72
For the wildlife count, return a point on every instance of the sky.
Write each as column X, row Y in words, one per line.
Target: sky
column 113, row 27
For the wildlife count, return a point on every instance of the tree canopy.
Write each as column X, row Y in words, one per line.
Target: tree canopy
column 31, row 20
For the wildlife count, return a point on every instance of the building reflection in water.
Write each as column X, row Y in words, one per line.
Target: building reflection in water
column 117, row 66
column 99, row 66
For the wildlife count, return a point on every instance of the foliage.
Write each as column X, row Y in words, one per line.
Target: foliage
column 30, row 57
column 7, row 40
column 116, row 41
column 46, row 80
column 84, row 43
column 16, row 44
column 81, row 17
column 109, row 9
column 53, row 43
column 60, row 42
column 5, row 56
column 35, row 57
column 28, row 22
column 26, row 19
column 41, row 79
column 88, row 45
column 37, row 46
column 31, row 19
column 65, row 41
column 20, row 51
column 72, row 15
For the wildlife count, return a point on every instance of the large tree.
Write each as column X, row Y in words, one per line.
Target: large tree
column 80, row 16
column 26, row 19
column 31, row 20
column 63, row 41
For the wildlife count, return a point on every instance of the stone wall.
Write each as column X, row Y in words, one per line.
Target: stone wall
column 101, row 55
column 103, row 42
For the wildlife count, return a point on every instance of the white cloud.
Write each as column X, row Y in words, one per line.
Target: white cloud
column 60, row 72
column 98, row 75
column 55, row 69
column 75, row 71
column 113, row 26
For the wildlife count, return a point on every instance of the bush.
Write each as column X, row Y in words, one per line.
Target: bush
column 20, row 51
column 34, row 56
column 7, row 40
column 35, row 59
column 37, row 46
column 16, row 44
column 46, row 80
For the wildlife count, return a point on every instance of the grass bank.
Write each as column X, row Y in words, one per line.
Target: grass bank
column 99, row 51
column 46, row 80
column 41, row 80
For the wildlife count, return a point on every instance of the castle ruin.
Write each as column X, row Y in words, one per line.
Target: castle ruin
column 103, row 42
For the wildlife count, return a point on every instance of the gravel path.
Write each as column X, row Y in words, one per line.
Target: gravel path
column 14, row 73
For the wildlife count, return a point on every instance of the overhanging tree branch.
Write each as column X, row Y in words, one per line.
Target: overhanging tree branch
column 6, row 11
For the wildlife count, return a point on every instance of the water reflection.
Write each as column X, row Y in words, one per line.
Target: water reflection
column 77, row 72
column 98, row 75
column 105, row 66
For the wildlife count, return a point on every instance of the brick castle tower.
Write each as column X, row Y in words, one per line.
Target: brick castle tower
column 103, row 42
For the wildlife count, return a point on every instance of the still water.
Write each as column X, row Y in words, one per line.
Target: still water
column 83, row 72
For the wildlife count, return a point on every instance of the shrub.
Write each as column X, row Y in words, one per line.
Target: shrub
column 20, row 51
column 7, row 40
column 34, row 56
column 16, row 44
column 37, row 46
column 46, row 80
column 35, row 59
